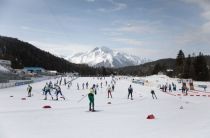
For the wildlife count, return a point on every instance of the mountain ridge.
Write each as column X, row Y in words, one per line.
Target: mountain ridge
column 104, row 56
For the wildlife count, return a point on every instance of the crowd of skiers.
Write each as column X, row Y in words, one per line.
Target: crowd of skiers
column 54, row 90
column 168, row 87
column 48, row 88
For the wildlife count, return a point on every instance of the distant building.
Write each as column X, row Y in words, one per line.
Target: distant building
column 6, row 64
column 34, row 70
column 52, row 72
column 169, row 70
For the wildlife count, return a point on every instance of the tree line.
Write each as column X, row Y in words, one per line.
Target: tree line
column 23, row 54
column 193, row 66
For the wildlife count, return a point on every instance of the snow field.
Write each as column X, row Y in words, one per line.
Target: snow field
column 122, row 118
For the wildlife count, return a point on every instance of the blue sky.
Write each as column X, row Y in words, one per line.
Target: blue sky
column 147, row 28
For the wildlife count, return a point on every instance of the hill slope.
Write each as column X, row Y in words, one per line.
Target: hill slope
column 23, row 54
column 147, row 68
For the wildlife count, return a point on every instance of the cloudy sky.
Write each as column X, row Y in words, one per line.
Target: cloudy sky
column 147, row 28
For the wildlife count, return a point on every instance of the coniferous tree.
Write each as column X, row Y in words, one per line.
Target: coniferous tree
column 157, row 68
column 180, row 63
column 201, row 69
column 187, row 65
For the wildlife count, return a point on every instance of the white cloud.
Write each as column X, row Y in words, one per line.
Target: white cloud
column 143, row 52
column 115, row 6
column 67, row 49
column 90, row 0
column 199, row 34
column 118, row 6
column 133, row 27
column 128, row 41
column 140, row 28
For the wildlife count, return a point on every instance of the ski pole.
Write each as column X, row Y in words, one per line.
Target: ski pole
column 82, row 98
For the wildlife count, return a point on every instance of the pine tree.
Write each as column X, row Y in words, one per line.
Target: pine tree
column 187, row 65
column 180, row 63
column 157, row 68
column 201, row 69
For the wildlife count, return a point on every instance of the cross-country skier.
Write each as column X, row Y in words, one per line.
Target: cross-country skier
column 68, row 85
column 29, row 89
column 130, row 92
column 170, row 90
column 165, row 88
column 97, row 86
column 186, row 90
column 91, row 98
column 174, row 87
column 77, row 86
column 44, row 89
column 112, row 87
column 83, row 86
column 47, row 90
column 153, row 94
column 109, row 90
column 86, row 85
column 50, row 85
column 101, row 84
column 95, row 89
column 60, row 81
column 65, row 81
column 58, row 91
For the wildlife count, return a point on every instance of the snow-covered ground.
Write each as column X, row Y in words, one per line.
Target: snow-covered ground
column 122, row 118
column 3, row 69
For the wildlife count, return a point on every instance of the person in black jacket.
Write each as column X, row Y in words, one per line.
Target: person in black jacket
column 29, row 89
column 130, row 92
column 153, row 94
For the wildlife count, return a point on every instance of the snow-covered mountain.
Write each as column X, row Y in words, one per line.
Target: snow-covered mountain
column 106, row 57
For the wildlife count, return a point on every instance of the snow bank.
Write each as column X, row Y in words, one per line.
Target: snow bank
column 3, row 69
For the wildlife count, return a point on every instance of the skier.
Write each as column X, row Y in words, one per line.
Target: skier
column 68, row 85
column 109, row 90
column 101, row 84
column 77, row 86
column 112, row 87
column 29, row 89
column 58, row 91
column 91, row 98
column 165, row 88
column 186, row 90
column 65, row 81
column 47, row 90
column 174, row 87
column 95, row 89
column 169, row 88
column 60, row 81
column 44, row 89
column 83, row 86
column 183, row 89
column 97, row 86
column 130, row 92
column 86, row 85
column 50, row 85
column 153, row 94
